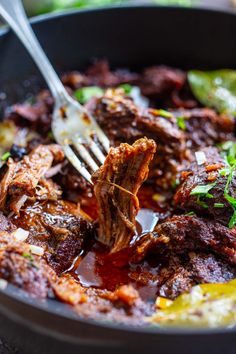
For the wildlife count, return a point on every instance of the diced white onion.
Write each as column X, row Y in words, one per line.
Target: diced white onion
column 3, row 284
column 39, row 251
column 200, row 157
column 20, row 234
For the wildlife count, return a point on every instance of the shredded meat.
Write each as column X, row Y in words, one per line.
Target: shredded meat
column 25, row 178
column 116, row 186
column 84, row 244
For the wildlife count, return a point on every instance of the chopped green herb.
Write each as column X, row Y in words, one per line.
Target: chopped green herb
column 27, row 256
column 229, row 151
column 190, row 213
column 84, row 94
column 232, row 220
column 181, row 123
column 6, row 156
column 127, row 88
column 201, row 203
column 203, row 190
column 175, row 183
column 163, row 113
column 50, row 135
column 219, row 205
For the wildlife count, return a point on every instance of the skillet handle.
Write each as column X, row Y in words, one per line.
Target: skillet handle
column 13, row 13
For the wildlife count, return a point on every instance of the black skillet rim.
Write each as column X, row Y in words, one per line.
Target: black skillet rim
column 64, row 312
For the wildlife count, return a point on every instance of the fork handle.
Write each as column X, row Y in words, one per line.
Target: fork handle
column 13, row 13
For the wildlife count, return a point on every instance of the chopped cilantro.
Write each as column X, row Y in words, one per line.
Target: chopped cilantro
column 84, row 94
column 219, row 205
column 175, row 183
column 190, row 213
column 127, row 88
column 232, row 220
column 163, row 113
column 229, row 151
column 27, row 256
column 181, row 123
column 6, row 156
column 203, row 190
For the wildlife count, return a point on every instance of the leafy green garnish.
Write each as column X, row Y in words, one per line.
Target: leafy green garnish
column 84, row 94
column 229, row 151
column 215, row 89
column 127, row 88
column 163, row 113
column 206, row 305
column 181, row 123
column 202, row 189
column 6, row 156
column 190, row 213
column 28, row 256
column 219, row 205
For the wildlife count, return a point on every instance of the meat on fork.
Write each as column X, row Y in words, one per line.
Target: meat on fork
column 116, row 185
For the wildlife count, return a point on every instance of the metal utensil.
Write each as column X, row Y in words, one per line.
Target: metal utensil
column 73, row 127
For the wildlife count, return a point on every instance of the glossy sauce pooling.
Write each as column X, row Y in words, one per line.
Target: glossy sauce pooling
column 99, row 269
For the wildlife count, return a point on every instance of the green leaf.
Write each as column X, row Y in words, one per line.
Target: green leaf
column 163, row 113
column 127, row 88
column 219, row 205
column 203, row 190
column 232, row 220
column 181, row 123
column 215, row 89
column 6, row 156
column 84, row 94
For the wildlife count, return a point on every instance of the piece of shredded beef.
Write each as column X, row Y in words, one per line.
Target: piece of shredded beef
column 116, row 185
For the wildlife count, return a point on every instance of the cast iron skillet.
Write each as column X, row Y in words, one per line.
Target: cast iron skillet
column 130, row 37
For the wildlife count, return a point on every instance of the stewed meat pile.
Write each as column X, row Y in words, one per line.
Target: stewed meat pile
column 160, row 216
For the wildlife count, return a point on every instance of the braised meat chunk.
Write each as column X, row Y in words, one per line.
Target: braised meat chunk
column 116, row 185
column 203, row 127
column 156, row 229
column 209, row 188
column 24, row 177
column 183, row 234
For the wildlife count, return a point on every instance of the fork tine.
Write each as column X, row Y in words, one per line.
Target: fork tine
column 102, row 138
column 96, row 150
column 85, row 154
column 76, row 162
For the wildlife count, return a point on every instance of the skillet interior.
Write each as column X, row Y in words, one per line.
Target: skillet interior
column 131, row 37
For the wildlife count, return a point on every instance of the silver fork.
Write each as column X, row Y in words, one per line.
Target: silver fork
column 72, row 125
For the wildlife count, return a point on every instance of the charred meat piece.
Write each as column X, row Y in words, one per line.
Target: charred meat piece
column 116, row 185
column 116, row 115
column 161, row 126
column 25, row 178
column 6, row 224
column 58, row 228
column 183, row 234
column 123, row 121
column 68, row 235
column 19, row 267
column 159, row 81
column 204, row 127
column 99, row 74
column 37, row 115
column 207, row 268
column 179, row 273
column 207, row 188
